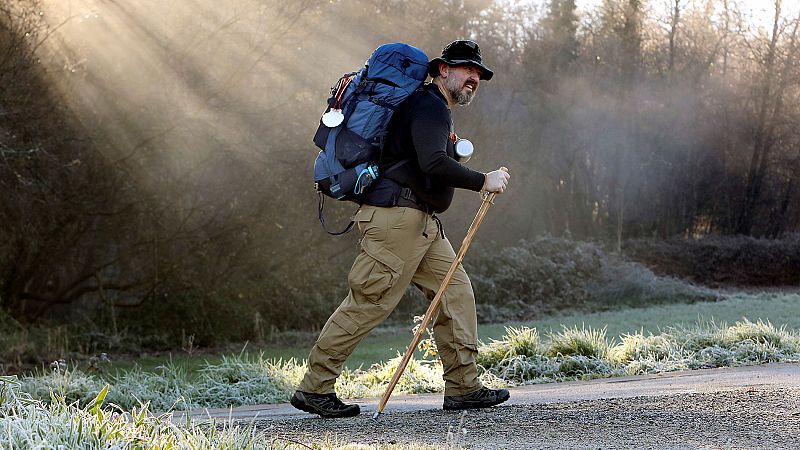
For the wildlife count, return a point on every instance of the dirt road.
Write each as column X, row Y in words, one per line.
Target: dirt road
column 745, row 407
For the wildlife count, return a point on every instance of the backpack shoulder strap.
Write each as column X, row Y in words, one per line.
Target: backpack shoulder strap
column 396, row 166
column 428, row 89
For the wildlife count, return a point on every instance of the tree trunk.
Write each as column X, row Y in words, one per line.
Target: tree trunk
column 673, row 31
column 761, row 140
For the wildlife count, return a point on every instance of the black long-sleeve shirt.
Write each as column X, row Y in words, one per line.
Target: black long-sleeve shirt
column 420, row 132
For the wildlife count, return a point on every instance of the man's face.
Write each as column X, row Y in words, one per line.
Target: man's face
column 462, row 83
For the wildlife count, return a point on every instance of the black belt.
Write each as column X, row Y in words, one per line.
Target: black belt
column 409, row 200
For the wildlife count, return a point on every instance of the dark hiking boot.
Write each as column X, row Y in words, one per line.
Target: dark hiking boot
column 482, row 398
column 326, row 405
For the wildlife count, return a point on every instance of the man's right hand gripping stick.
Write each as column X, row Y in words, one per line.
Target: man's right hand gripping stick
column 498, row 186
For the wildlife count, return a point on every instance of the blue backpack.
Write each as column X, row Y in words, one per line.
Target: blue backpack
column 352, row 131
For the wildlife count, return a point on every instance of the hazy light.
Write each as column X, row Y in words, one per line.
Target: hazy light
column 760, row 13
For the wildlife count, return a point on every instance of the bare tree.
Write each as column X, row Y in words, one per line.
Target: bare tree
column 770, row 103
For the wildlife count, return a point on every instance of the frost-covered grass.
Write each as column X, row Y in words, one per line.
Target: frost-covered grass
column 576, row 341
column 234, row 381
column 522, row 356
column 587, row 353
column 521, row 341
column 62, row 408
column 420, row 376
column 29, row 423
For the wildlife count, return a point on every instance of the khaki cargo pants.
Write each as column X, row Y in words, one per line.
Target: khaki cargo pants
column 399, row 246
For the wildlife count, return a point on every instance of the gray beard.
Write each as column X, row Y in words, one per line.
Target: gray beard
column 458, row 93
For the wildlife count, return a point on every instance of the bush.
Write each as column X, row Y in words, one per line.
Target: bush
column 539, row 277
column 529, row 280
column 25, row 349
column 533, row 277
column 204, row 318
column 723, row 260
column 626, row 284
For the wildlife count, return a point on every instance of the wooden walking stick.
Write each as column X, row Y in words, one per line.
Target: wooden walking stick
column 488, row 200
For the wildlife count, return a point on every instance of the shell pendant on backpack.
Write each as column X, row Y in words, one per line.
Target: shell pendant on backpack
column 333, row 118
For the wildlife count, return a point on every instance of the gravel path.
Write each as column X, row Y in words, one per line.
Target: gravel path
column 766, row 418
column 746, row 407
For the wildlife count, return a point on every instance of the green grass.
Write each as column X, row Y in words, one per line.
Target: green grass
column 699, row 336
column 519, row 357
column 60, row 407
column 386, row 343
column 779, row 309
column 65, row 409
column 380, row 346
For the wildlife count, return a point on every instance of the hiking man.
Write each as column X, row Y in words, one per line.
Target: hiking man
column 403, row 242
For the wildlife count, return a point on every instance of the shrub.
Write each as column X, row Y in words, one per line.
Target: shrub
column 738, row 260
column 533, row 277
column 629, row 284
column 26, row 349
column 551, row 274
column 521, row 282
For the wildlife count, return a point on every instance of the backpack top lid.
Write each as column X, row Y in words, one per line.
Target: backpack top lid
column 400, row 64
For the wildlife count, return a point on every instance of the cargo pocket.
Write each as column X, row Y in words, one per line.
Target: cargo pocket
column 374, row 271
column 362, row 217
column 466, row 352
column 345, row 322
column 336, row 339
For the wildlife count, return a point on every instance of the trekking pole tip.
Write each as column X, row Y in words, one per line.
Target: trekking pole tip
column 377, row 415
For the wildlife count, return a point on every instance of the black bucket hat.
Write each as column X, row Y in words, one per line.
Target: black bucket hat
column 460, row 53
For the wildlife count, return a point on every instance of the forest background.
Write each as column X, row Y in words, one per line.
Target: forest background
column 155, row 158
